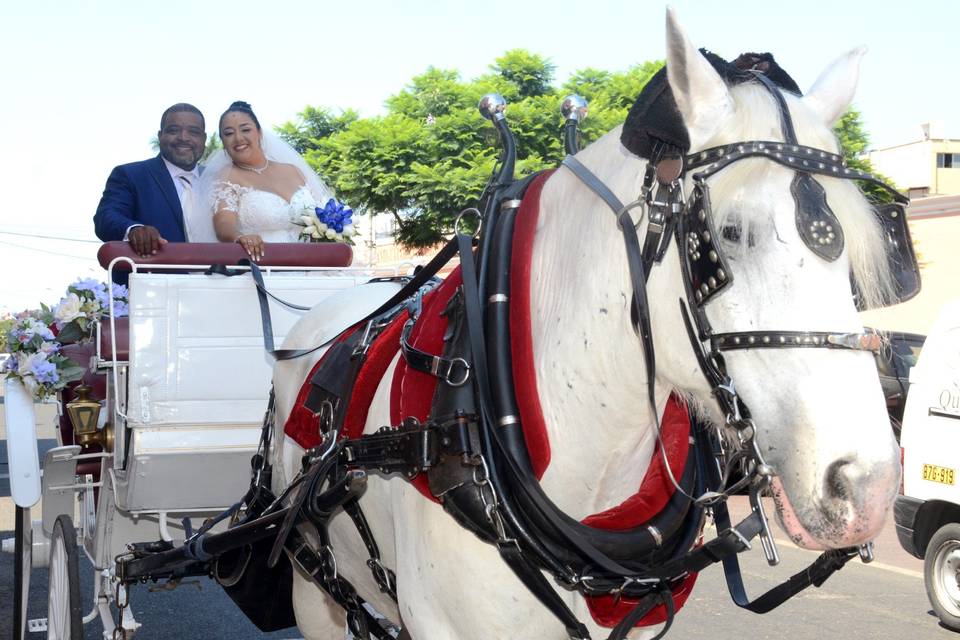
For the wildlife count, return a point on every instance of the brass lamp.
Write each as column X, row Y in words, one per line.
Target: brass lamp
column 84, row 414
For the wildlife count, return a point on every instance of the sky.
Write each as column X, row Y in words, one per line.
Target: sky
column 84, row 82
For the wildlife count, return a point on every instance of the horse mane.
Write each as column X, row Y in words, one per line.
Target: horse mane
column 756, row 117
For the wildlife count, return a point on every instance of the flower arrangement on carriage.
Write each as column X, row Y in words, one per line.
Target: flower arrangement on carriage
column 34, row 338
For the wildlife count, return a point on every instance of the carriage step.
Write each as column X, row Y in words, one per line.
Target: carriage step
column 36, row 625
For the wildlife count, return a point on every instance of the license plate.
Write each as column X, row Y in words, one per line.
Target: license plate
column 933, row 473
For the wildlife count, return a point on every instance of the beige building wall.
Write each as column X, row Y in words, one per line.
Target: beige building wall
column 908, row 165
column 913, row 167
column 935, row 227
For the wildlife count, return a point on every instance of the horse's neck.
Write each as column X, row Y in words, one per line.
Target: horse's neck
column 589, row 362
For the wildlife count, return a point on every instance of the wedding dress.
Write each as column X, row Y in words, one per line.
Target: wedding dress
column 265, row 213
column 260, row 212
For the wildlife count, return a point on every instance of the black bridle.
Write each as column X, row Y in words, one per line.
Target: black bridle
column 705, row 273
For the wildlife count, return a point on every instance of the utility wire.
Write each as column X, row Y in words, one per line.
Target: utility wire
column 53, row 253
column 44, row 237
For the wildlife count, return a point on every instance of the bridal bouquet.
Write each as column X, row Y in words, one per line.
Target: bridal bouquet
column 332, row 222
column 35, row 357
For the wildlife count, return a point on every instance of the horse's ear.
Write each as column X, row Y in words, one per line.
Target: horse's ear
column 833, row 91
column 699, row 91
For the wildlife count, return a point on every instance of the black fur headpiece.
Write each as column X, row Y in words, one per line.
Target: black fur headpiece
column 654, row 117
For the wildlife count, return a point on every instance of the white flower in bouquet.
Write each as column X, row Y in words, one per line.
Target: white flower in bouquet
column 69, row 309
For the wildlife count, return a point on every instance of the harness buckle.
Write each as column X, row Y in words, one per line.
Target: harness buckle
column 445, row 369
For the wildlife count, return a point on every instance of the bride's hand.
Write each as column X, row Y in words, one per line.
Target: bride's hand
column 253, row 245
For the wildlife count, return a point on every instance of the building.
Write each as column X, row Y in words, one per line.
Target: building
column 376, row 248
column 927, row 167
column 935, row 228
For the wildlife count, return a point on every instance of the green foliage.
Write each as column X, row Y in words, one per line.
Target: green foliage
column 854, row 141
column 213, row 145
column 313, row 124
column 432, row 154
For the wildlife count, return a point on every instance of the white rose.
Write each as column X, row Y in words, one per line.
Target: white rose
column 322, row 227
column 315, row 233
column 331, row 234
column 349, row 231
column 307, row 220
column 69, row 309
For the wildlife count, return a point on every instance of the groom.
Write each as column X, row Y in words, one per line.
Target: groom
column 147, row 202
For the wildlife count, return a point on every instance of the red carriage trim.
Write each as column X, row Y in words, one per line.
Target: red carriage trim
column 286, row 254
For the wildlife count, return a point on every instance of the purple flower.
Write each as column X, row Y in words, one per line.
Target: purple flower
column 10, row 364
column 120, row 308
column 45, row 371
column 50, row 348
column 89, row 284
column 120, row 291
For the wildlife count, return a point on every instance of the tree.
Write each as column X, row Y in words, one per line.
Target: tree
column 432, row 154
column 854, row 141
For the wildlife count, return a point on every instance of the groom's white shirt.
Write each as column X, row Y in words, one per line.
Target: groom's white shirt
column 191, row 210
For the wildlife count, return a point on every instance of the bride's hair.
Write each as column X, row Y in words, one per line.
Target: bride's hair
column 239, row 106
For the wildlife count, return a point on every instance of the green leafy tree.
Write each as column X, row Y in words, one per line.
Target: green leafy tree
column 432, row 154
column 854, row 140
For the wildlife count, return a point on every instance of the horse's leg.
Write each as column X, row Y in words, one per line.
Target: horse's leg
column 318, row 616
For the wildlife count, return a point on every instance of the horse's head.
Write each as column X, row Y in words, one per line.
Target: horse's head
column 819, row 413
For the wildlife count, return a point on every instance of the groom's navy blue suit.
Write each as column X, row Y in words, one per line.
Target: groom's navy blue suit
column 140, row 193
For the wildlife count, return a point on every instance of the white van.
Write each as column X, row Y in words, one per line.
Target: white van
column 927, row 513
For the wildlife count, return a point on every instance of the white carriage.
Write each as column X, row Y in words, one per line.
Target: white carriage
column 162, row 433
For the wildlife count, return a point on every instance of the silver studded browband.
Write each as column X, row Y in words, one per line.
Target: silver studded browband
column 795, row 156
column 865, row 341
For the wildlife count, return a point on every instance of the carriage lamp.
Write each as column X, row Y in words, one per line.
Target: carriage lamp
column 492, row 106
column 84, row 414
column 574, row 107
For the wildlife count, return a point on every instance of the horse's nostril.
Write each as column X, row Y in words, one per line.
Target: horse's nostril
column 841, row 479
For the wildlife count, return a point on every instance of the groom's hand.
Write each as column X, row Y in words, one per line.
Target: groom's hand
column 145, row 241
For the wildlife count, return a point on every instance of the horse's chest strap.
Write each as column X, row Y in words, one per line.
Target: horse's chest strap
column 413, row 447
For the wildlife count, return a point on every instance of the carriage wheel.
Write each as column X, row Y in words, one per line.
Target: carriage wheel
column 22, row 566
column 64, row 617
column 941, row 574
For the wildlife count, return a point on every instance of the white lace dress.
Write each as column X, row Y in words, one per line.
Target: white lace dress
column 263, row 212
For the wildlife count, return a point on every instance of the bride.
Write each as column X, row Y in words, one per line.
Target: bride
column 253, row 189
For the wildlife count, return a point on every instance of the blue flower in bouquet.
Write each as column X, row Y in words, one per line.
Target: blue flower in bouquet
column 333, row 222
column 9, row 364
column 335, row 215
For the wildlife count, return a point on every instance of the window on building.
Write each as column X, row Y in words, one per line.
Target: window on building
column 948, row 161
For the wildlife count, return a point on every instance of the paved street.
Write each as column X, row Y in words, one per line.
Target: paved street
column 884, row 600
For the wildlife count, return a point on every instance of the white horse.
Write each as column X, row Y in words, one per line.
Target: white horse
column 820, row 414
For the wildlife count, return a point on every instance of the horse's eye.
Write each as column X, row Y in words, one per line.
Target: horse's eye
column 731, row 233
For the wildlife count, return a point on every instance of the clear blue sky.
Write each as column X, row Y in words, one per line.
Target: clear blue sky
column 85, row 82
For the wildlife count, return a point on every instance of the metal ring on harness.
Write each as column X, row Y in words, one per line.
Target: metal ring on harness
column 447, row 376
column 459, row 218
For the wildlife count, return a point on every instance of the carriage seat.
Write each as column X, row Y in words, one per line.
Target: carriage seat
column 105, row 351
column 202, row 254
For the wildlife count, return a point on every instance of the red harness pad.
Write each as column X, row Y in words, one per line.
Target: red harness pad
column 411, row 395
column 302, row 425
